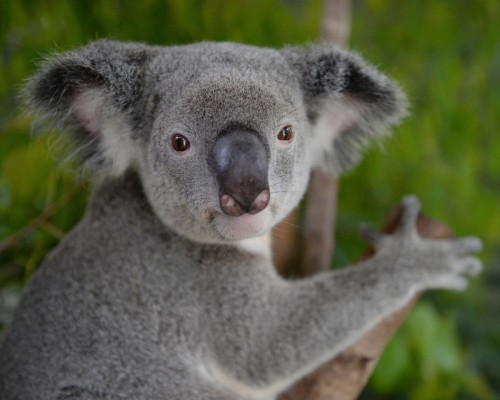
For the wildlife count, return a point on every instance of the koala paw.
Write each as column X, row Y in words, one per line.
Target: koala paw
column 428, row 263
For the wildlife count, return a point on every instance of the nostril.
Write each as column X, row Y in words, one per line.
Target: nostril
column 260, row 202
column 230, row 206
column 233, row 206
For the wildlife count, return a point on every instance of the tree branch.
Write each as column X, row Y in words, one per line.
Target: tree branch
column 321, row 206
column 37, row 222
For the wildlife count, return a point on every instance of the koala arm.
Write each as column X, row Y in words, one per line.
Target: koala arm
column 312, row 320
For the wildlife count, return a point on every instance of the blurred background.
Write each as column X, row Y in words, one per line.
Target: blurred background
column 445, row 54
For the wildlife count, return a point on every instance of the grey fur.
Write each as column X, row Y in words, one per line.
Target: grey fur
column 156, row 294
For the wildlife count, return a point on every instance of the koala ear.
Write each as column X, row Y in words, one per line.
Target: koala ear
column 348, row 103
column 94, row 92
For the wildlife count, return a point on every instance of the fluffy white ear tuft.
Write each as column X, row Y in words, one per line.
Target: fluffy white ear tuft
column 118, row 146
column 87, row 109
column 335, row 119
column 108, row 127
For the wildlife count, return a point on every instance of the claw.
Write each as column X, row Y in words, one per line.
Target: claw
column 452, row 283
column 467, row 245
column 411, row 209
column 472, row 266
column 457, row 283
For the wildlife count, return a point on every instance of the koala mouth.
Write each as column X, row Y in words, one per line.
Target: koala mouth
column 241, row 227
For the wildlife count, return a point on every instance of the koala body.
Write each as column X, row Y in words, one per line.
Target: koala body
column 166, row 288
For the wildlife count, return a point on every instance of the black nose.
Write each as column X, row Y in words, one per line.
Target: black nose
column 240, row 162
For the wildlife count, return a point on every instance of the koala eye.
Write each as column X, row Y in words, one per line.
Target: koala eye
column 179, row 142
column 286, row 133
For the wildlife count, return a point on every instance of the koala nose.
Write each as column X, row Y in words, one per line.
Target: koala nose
column 240, row 162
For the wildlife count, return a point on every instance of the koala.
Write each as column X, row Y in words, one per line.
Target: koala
column 166, row 290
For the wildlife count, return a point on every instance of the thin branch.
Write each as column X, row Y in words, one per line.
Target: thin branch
column 37, row 222
column 321, row 206
column 319, row 223
column 335, row 26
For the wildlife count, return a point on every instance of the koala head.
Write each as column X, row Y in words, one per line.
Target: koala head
column 223, row 135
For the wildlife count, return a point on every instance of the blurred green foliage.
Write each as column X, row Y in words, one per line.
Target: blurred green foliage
column 446, row 54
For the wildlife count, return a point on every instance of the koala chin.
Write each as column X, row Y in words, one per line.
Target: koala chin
column 166, row 288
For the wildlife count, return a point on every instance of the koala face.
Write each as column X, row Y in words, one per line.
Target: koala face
column 234, row 174
column 223, row 136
